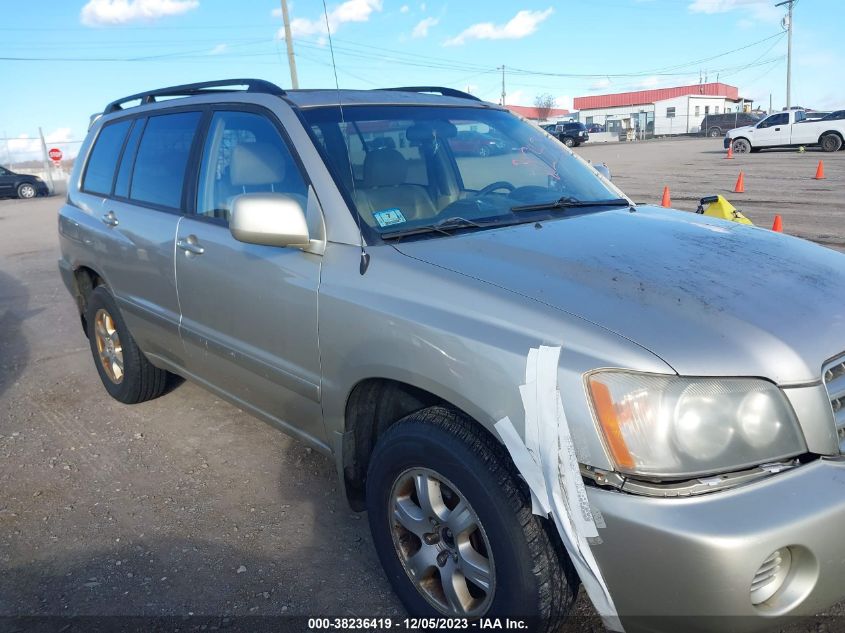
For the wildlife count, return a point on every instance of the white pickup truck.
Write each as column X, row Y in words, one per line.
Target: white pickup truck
column 786, row 129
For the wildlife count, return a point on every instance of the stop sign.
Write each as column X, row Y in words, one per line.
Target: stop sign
column 55, row 154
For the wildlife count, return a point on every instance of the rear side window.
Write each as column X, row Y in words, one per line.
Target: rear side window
column 121, row 185
column 102, row 163
column 159, row 173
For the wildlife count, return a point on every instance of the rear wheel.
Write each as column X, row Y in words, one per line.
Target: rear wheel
column 714, row 132
column 568, row 141
column 124, row 370
column 26, row 190
column 741, row 146
column 831, row 143
column 453, row 528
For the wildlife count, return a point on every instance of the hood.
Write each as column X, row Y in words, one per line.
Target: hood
column 739, row 131
column 709, row 297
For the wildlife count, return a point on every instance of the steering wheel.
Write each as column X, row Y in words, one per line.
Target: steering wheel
column 493, row 186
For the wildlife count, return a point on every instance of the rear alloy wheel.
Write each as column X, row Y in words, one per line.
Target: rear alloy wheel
column 831, row 143
column 124, row 370
column 715, row 132
column 26, row 191
column 452, row 525
column 568, row 141
column 741, row 146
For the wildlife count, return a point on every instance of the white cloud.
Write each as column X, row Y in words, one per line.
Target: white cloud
column 25, row 147
column 219, row 49
column 348, row 11
column 405, row 8
column 759, row 9
column 564, row 101
column 521, row 25
column 423, row 7
column 421, row 29
column 112, row 12
column 649, row 82
column 600, row 84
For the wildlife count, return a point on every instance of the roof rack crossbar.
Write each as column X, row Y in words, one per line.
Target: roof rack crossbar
column 446, row 92
column 186, row 90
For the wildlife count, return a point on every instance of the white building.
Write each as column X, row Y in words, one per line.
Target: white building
column 660, row 112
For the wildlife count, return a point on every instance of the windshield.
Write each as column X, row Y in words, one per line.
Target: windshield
column 406, row 167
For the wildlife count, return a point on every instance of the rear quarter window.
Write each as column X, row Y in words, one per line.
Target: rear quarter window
column 102, row 163
column 159, row 173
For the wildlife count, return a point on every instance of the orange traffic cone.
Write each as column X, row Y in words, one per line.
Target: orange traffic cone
column 819, row 171
column 777, row 227
column 730, row 151
column 740, row 184
column 667, row 200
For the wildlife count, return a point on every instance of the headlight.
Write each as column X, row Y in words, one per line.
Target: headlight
column 670, row 426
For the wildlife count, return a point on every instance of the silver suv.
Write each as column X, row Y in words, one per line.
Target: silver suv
column 528, row 381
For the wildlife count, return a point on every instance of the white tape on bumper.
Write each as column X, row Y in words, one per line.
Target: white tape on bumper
column 547, row 460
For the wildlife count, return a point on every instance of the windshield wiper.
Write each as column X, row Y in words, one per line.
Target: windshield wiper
column 447, row 226
column 571, row 203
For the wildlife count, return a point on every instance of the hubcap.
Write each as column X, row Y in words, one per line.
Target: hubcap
column 27, row 191
column 441, row 543
column 108, row 346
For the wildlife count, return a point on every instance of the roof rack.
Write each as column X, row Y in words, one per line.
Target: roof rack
column 187, row 90
column 446, row 92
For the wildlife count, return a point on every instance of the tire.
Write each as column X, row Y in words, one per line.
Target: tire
column 742, row 146
column 830, row 143
column 26, row 191
column 714, row 132
column 531, row 577
column 483, row 151
column 569, row 141
column 133, row 379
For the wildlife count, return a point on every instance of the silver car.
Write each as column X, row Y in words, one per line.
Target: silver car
column 528, row 381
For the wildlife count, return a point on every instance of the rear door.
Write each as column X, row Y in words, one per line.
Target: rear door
column 142, row 206
column 249, row 312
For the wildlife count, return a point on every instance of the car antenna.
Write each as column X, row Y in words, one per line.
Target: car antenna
column 365, row 256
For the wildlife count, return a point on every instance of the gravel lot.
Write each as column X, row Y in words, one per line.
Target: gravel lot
column 186, row 505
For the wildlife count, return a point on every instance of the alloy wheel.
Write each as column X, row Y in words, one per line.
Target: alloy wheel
column 109, row 347
column 26, row 191
column 441, row 543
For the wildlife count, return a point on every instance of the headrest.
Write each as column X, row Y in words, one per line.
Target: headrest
column 384, row 168
column 256, row 164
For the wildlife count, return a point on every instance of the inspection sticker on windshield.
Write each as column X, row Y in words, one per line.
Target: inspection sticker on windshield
column 389, row 217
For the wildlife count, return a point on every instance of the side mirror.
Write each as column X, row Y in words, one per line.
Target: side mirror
column 270, row 219
column 603, row 169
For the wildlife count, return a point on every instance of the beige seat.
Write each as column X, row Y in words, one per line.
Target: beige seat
column 385, row 172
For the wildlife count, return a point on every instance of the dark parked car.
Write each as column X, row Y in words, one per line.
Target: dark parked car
column 834, row 116
column 595, row 128
column 21, row 185
column 470, row 143
column 717, row 124
column 571, row 133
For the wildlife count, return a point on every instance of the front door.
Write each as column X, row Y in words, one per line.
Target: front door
column 773, row 130
column 249, row 312
column 6, row 182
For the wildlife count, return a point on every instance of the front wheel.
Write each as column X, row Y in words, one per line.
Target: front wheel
column 26, row 191
column 483, row 151
column 741, row 146
column 452, row 524
column 831, row 143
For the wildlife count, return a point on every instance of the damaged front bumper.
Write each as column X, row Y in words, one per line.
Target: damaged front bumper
column 696, row 558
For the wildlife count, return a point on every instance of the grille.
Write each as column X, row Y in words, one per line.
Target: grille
column 771, row 575
column 834, row 380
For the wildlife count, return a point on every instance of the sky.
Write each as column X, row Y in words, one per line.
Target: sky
column 63, row 60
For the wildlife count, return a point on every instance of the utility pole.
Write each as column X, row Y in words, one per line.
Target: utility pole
column 789, row 3
column 294, row 80
column 502, row 68
column 48, row 170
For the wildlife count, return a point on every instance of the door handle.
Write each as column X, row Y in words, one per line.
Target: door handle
column 110, row 219
column 190, row 246
column 777, row 129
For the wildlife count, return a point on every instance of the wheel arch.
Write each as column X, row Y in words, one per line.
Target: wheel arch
column 372, row 406
column 834, row 132
column 85, row 279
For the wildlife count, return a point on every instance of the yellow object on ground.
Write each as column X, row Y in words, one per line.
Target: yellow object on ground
column 718, row 207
